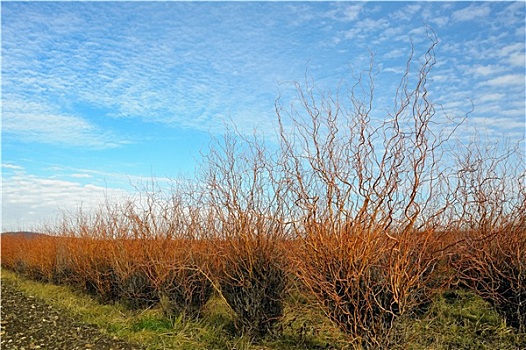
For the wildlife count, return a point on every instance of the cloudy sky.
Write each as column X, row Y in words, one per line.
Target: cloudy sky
column 97, row 96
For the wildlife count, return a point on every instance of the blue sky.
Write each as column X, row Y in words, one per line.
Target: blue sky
column 98, row 96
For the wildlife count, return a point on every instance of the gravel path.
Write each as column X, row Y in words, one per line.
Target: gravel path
column 29, row 323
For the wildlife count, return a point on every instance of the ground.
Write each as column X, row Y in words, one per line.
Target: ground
column 29, row 323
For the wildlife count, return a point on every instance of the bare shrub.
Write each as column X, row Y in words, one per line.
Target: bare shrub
column 14, row 253
column 87, row 255
column 366, row 199
column 155, row 253
column 247, row 222
column 186, row 286
column 490, row 217
column 494, row 266
column 35, row 256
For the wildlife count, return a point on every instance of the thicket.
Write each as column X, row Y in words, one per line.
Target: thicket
column 244, row 199
column 371, row 215
column 143, row 251
column 491, row 256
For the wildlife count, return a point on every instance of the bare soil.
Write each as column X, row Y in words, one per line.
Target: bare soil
column 29, row 323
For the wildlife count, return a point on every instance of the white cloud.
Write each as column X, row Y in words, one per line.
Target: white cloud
column 57, row 129
column 510, row 49
column 439, row 21
column 352, row 33
column 373, row 24
column 517, row 59
column 40, row 121
column 441, row 78
column 344, row 12
column 29, row 201
column 500, row 123
column 512, row 15
column 184, row 76
column 517, row 113
column 397, row 71
column 396, row 53
column 491, row 97
column 485, row 70
column 418, row 33
column 81, row 176
column 506, row 80
column 12, row 167
column 474, row 11
column 352, row 12
column 365, row 27
column 204, row 70
column 406, row 13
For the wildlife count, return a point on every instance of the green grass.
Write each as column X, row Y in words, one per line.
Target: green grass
column 455, row 320
column 459, row 319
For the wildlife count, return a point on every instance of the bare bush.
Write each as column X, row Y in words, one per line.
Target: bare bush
column 159, row 257
column 247, row 212
column 490, row 217
column 363, row 195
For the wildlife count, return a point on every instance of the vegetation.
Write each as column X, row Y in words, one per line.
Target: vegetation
column 455, row 319
column 385, row 226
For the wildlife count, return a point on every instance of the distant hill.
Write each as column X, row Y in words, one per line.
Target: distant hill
column 26, row 234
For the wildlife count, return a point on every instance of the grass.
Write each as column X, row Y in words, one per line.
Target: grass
column 456, row 319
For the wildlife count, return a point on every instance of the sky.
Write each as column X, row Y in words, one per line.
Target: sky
column 98, row 97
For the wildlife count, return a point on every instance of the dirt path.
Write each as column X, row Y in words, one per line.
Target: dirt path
column 29, row 323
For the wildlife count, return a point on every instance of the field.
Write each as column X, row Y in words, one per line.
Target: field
column 459, row 320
